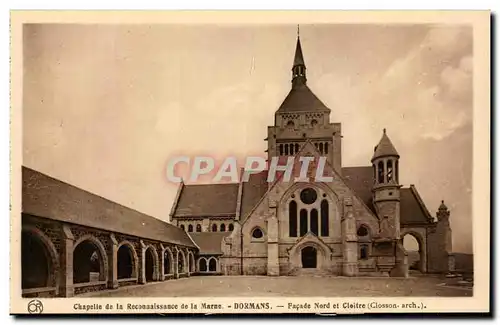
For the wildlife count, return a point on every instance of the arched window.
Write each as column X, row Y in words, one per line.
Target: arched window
column 396, row 172
column 326, row 148
column 222, row 227
column 190, row 228
column 296, row 147
column 381, row 172
column 231, row 227
column 291, row 148
column 303, row 222
column 198, row 228
column 292, row 219
column 324, row 218
column 314, row 122
column 182, row 227
column 203, row 265
column 212, row 265
column 375, row 174
column 214, row 228
column 290, row 124
column 286, row 149
column 389, row 171
column 281, row 149
column 257, row 233
column 321, row 147
column 314, row 222
column 363, row 252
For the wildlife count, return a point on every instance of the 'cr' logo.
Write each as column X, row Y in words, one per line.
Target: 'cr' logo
column 35, row 307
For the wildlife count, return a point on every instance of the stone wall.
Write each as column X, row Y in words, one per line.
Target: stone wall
column 60, row 240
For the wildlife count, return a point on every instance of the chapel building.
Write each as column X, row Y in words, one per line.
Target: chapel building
column 353, row 225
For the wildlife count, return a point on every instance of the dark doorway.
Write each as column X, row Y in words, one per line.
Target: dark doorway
column 125, row 262
column 309, row 258
column 203, row 265
column 35, row 262
column 150, row 263
column 212, row 265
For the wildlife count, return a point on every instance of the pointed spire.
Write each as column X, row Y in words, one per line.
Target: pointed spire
column 384, row 147
column 299, row 67
column 299, row 57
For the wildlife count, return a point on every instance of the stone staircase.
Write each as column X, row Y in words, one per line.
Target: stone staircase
column 310, row 272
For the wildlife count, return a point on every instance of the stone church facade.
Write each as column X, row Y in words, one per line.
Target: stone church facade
column 73, row 241
column 351, row 226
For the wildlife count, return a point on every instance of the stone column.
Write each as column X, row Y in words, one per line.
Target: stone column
column 66, row 288
column 176, row 262
column 273, row 265
column 162, row 263
column 349, row 240
column 113, row 263
column 142, row 268
column 187, row 262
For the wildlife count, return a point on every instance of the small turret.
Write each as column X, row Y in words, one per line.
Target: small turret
column 385, row 162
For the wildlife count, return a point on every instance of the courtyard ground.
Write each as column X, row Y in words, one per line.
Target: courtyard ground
column 325, row 286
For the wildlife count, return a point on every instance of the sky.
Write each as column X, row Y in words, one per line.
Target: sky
column 106, row 106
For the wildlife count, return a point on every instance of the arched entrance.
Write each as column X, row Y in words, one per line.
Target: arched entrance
column 150, row 265
column 416, row 251
column 203, row 265
column 212, row 265
column 88, row 262
column 309, row 257
column 126, row 262
column 167, row 262
column 36, row 264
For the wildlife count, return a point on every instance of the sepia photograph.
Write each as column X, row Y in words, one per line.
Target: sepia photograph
column 203, row 160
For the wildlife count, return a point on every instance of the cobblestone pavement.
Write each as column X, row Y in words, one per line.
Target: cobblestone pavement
column 245, row 286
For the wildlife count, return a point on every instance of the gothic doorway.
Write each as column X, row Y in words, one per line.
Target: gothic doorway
column 150, row 264
column 309, row 257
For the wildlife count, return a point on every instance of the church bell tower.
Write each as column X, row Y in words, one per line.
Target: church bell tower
column 303, row 116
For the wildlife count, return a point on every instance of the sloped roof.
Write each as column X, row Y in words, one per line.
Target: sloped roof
column 412, row 209
column 50, row 198
column 253, row 191
column 384, row 147
column 207, row 199
column 360, row 180
column 299, row 57
column 300, row 99
column 210, row 243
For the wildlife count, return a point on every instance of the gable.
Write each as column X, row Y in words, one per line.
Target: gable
column 338, row 185
column 360, row 180
column 413, row 210
column 253, row 191
column 207, row 199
